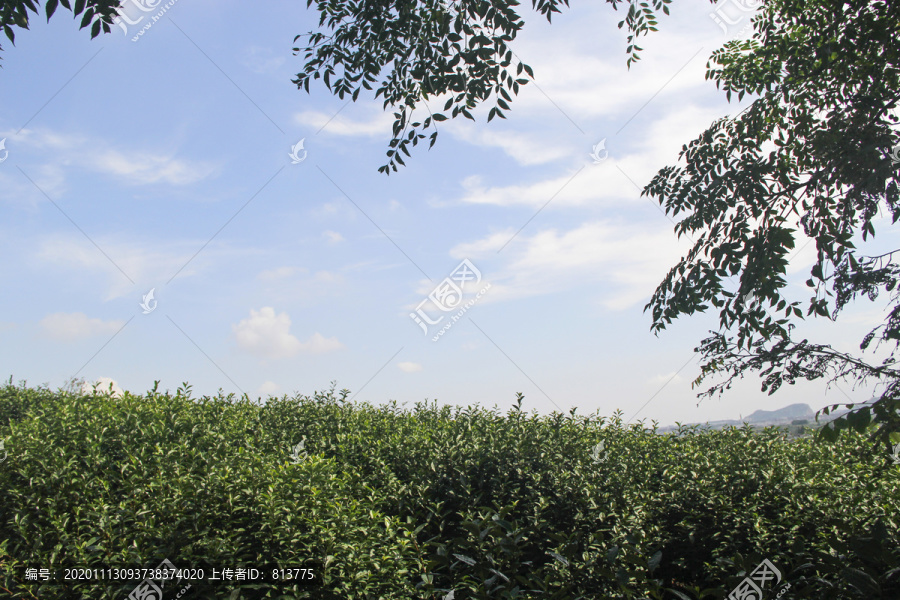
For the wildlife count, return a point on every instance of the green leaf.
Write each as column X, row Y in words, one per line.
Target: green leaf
column 51, row 8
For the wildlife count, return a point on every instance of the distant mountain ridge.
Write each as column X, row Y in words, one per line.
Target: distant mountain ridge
column 782, row 416
column 788, row 413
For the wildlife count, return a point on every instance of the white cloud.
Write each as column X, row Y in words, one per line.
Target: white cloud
column 131, row 165
column 144, row 263
column 631, row 260
column 319, row 344
column 328, row 277
column 75, row 326
column 333, row 237
column 577, row 186
column 409, row 367
column 658, row 381
column 586, row 75
column 279, row 273
column 630, row 165
column 337, row 207
column 526, row 149
column 146, row 168
column 585, row 86
column 339, row 124
column 294, row 285
column 262, row 60
column 267, row 334
column 268, row 388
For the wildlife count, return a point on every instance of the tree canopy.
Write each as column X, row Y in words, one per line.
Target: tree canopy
column 429, row 48
column 433, row 48
column 96, row 14
column 811, row 153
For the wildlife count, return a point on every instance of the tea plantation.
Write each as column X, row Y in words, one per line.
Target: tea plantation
column 428, row 503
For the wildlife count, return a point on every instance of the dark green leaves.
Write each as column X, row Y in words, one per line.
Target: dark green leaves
column 51, row 8
column 829, row 114
column 397, row 503
column 99, row 14
column 422, row 49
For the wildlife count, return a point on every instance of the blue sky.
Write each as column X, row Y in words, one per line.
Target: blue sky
column 165, row 164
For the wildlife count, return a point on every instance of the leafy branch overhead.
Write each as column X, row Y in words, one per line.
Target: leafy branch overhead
column 459, row 50
column 98, row 14
column 430, row 48
column 812, row 152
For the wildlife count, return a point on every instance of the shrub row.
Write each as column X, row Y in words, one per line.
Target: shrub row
column 393, row 503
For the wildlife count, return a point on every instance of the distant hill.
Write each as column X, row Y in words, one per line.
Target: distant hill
column 788, row 413
column 766, row 418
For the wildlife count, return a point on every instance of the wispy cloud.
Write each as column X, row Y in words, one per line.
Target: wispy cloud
column 526, row 148
column 379, row 124
column 630, row 165
column 672, row 378
column 130, row 165
column 144, row 261
column 279, row 273
column 70, row 327
column 629, row 259
column 333, row 237
column 268, row 388
column 262, row 60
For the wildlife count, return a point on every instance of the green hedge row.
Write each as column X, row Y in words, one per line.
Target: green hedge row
column 391, row 503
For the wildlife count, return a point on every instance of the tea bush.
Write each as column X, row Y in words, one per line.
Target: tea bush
column 390, row 503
